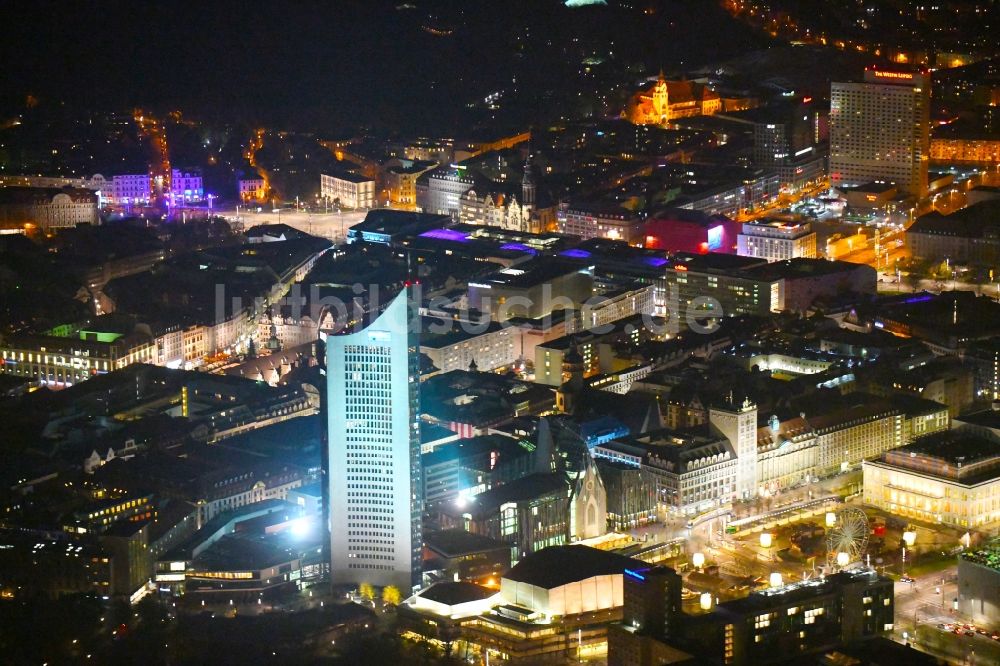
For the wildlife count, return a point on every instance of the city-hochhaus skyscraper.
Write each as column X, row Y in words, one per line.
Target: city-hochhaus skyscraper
column 880, row 130
column 374, row 475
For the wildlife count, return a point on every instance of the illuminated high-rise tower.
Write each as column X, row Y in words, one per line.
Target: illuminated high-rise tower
column 374, row 473
column 738, row 423
column 880, row 130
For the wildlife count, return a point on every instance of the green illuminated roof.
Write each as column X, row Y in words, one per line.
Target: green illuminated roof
column 99, row 336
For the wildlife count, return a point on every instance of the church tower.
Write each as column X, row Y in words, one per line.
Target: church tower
column 588, row 503
column 738, row 423
column 661, row 107
column 569, row 390
column 528, row 184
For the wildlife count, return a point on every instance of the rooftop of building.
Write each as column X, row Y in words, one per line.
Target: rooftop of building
column 560, row 565
column 602, row 209
column 975, row 221
column 533, row 486
column 869, row 339
column 90, row 245
column 780, row 224
column 986, row 348
column 279, row 257
column 37, row 196
column 802, row 590
column 222, row 523
column 683, row 91
column 873, row 187
column 827, row 411
column 540, row 241
column 913, row 405
column 504, row 447
column 897, row 74
column 689, row 215
column 412, row 166
column 235, row 552
column 453, row 593
column 960, row 313
column 567, row 342
column 802, row 267
column 954, row 448
column 675, row 448
column 617, row 255
column 275, row 231
column 350, row 177
column 126, row 528
column 986, row 418
column 775, row 113
column 987, row 555
column 457, row 542
column 454, row 172
column 531, row 273
column 478, row 397
column 388, row 221
column 637, row 411
column 433, row 337
column 878, row 651
column 430, row 432
column 715, row 262
column 170, row 513
column 314, row 490
column 542, row 323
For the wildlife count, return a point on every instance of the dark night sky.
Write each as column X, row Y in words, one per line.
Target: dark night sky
column 337, row 62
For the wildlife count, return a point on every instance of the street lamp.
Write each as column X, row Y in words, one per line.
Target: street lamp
column 843, row 559
column 766, row 539
column 706, row 601
column 775, row 579
column 831, row 519
column 909, row 538
column 698, row 560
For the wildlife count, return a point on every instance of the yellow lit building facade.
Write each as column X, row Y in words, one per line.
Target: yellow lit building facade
column 952, row 479
column 965, row 150
column 668, row 100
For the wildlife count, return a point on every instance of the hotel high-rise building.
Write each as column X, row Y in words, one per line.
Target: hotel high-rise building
column 375, row 485
column 880, row 130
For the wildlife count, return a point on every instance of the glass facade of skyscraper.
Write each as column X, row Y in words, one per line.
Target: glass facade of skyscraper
column 374, row 458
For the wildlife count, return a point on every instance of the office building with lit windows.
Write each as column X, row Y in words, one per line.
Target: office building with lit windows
column 775, row 625
column 348, row 190
column 776, row 240
column 984, row 357
column 880, row 130
column 599, row 220
column 780, row 623
column 68, row 355
column 374, row 467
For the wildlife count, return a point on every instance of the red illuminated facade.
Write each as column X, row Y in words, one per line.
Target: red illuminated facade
column 684, row 230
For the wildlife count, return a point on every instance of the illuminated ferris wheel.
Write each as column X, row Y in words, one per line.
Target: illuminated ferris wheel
column 847, row 538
